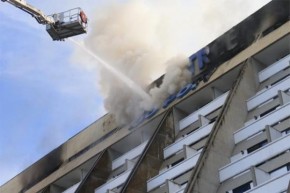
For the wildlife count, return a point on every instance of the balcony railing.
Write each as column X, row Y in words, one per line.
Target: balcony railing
column 172, row 172
column 72, row 189
column 205, row 110
column 274, row 68
column 264, row 153
column 187, row 140
column 259, row 125
column 262, row 97
column 113, row 183
column 181, row 191
column 279, row 184
column 129, row 155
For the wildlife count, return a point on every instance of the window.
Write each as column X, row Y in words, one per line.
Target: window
column 242, row 188
column 280, row 171
column 257, row 146
column 177, row 162
column 268, row 111
column 280, row 80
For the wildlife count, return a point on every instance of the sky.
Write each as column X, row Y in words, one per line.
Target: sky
column 46, row 96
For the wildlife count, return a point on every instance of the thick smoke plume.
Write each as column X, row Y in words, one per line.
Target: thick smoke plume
column 177, row 75
column 142, row 38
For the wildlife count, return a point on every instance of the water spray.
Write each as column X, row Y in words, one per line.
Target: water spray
column 131, row 84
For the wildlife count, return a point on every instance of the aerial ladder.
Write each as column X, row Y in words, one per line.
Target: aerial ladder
column 59, row 25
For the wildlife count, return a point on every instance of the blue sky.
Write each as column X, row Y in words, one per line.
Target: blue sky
column 46, row 96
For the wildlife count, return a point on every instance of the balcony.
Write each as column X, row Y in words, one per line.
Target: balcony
column 259, row 125
column 113, row 183
column 205, row 110
column 262, row 97
column 274, row 68
column 181, row 191
column 72, row 189
column 268, row 151
column 172, row 172
column 279, row 184
column 129, row 155
column 170, row 187
column 187, row 140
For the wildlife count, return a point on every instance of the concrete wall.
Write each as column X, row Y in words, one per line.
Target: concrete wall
column 218, row 150
column 98, row 174
column 69, row 166
column 59, row 156
column 149, row 164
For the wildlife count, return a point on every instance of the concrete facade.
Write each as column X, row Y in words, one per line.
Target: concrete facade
column 229, row 134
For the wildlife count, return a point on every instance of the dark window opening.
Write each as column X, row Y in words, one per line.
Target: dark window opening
column 213, row 120
column 285, row 165
column 258, row 165
column 257, row 146
column 268, row 111
column 177, row 162
column 242, row 188
column 191, row 131
column 196, row 142
column 287, row 131
column 276, row 156
column 180, row 175
column 280, row 80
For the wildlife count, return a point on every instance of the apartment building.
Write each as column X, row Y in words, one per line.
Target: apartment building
column 227, row 131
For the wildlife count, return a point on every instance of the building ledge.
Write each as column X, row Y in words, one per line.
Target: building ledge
column 268, row 94
column 264, row 153
column 260, row 124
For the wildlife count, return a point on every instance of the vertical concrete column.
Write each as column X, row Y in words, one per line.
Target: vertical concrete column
column 98, row 174
column 150, row 161
column 177, row 116
column 283, row 97
column 259, row 176
column 216, row 92
column 219, row 147
column 172, row 187
column 272, row 133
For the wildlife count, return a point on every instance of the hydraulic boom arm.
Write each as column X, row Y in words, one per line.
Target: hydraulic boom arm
column 59, row 25
column 36, row 13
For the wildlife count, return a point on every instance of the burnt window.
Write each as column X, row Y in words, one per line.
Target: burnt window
column 242, row 188
column 257, row 146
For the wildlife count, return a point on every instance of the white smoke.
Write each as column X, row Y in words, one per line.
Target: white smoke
column 177, row 75
column 139, row 38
